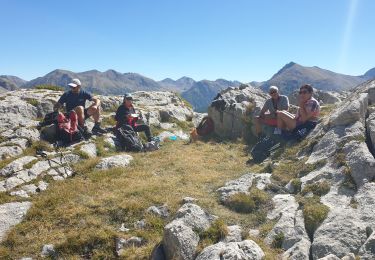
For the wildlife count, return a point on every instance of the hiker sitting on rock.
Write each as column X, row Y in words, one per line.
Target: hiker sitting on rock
column 75, row 99
column 307, row 114
column 267, row 115
column 125, row 115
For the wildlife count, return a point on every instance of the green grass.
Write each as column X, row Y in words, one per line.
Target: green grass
column 314, row 213
column 32, row 101
column 50, row 87
column 318, row 189
column 216, row 232
column 81, row 215
column 257, row 201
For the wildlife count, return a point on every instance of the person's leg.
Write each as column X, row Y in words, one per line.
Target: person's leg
column 286, row 120
column 80, row 114
column 144, row 128
column 258, row 127
column 95, row 113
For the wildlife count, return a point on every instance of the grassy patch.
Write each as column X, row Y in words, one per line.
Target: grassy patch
column 216, row 232
column 348, row 181
column 314, row 214
column 184, row 125
column 296, row 184
column 109, row 121
column 318, row 189
column 50, row 87
column 32, row 101
column 278, row 240
column 256, row 201
column 81, row 215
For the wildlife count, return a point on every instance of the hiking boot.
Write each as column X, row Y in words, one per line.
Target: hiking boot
column 97, row 130
column 86, row 132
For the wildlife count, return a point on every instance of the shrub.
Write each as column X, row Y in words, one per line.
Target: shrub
column 314, row 214
column 216, row 232
column 249, row 203
column 32, row 101
column 278, row 240
column 296, row 184
column 319, row 189
column 50, row 87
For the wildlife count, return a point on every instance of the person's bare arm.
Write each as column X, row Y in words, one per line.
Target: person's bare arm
column 96, row 102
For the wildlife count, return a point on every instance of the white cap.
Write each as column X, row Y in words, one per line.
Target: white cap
column 273, row 88
column 75, row 83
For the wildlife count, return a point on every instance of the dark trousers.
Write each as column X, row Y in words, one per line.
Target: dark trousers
column 144, row 128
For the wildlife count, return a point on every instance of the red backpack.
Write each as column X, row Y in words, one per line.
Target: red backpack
column 67, row 128
column 206, row 126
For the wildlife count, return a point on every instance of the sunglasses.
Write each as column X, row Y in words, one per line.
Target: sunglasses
column 303, row 92
column 273, row 92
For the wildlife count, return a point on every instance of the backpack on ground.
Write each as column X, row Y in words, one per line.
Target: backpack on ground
column 68, row 130
column 48, row 127
column 206, row 126
column 129, row 139
column 263, row 149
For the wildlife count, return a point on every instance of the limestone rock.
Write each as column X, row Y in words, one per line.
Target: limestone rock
column 360, row 161
column 160, row 211
column 48, row 250
column 121, row 160
column 89, row 149
column 11, row 214
column 351, row 111
column 16, row 165
column 234, row 234
column 244, row 250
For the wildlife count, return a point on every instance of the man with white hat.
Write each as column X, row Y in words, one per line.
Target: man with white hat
column 75, row 99
column 267, row 115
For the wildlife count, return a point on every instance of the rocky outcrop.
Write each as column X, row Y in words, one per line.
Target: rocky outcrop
column 233, row 109
column 11, row 214
column 243, row 250
column 324, row 97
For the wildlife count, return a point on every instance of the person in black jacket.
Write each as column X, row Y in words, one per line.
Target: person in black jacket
column 125, row 115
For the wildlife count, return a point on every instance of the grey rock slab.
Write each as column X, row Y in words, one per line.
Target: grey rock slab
column 189, row 200
column 299, row 251
column 194, row 217
column 367, row 250
column 121, row 160
column 244, row 250
column 234, row 234
column 330, row 257
column 11, row 214
column 360, row 161
column 16, row 165
column 122, row 243
column 341, row 233
column 370, row 123
column 351, row 111
column 89, row 149
column 20, row 193
column 283, row 203
column 10, row 151
column 240, row 185
column 12, row 182
column 21, row 142
column 160, row 211
column 179, row 241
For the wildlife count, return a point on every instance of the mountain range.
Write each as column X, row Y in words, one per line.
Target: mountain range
column 198, row 93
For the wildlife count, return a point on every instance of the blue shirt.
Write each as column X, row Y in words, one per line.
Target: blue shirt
column 73, row 100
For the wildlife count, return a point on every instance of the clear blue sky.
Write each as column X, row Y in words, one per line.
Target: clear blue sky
column 241, row 40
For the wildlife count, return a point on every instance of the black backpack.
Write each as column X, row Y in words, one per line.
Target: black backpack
column 263, row 149
column 129, row 139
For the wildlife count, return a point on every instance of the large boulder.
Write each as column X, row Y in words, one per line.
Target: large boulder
column 233, row 110
column 180, row 238
column 243, row 250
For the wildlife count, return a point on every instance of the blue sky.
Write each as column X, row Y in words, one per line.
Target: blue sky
column 241, row 40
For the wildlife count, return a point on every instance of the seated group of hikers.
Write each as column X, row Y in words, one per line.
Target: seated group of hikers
column 275, row 112
column 284, row 125
column 75, row 99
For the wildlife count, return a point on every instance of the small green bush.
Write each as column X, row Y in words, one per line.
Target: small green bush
column 319, row 189
column 278, row 240
column 314, row 214
column 32, row 101
column 249, row 203
column 296, row 184
column 50, row 87
column 216, row 232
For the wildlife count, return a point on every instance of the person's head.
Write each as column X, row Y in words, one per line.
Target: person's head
column 306, row 91
column 274, row 92
column 128, row 98
column 75, row 85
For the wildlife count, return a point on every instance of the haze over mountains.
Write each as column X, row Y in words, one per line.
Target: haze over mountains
column 198, row 93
